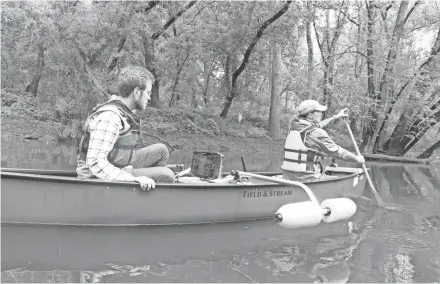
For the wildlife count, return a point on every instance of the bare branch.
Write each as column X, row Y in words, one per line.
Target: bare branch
column 348, row 18
column 319, row 42
column 172, row 20
column 339, row 25
column 115, row 56
column 150, row 6
column 347, row 51
column 389, row 7
column 422, row 27
column 198, row 13
column 411, row 10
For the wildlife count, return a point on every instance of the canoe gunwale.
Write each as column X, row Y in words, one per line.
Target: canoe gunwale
column 9, row 173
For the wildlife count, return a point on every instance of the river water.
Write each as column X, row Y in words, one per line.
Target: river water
column 401, row 244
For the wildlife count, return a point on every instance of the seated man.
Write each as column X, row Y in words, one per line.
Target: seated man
column 307, row 143
column 111, row 130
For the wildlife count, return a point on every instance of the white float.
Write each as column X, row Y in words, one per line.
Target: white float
column 308, row 213
column 339, row 209
column 299, row 215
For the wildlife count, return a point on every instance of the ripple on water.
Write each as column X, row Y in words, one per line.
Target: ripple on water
column 21, row 275
column 402, row 240
column 287, row 264
column 399, row 268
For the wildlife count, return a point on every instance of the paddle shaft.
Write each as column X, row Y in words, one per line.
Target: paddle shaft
column 243, row 164
column 379, row 199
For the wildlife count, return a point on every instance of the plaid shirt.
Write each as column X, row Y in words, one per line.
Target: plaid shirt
column 104, row 132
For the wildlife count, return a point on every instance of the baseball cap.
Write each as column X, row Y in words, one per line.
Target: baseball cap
column 308, row 106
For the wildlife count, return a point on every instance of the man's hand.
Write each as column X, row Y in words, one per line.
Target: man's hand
column 343, row 113
column 360, row 159
column 146, row 183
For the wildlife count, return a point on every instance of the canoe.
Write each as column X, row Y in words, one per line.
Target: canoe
column 32, row 196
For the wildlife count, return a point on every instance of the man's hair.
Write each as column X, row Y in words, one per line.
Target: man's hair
column 132, row 77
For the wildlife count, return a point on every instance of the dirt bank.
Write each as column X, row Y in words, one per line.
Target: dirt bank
column 180, row 129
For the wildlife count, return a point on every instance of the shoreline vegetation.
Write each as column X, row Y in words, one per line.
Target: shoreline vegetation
column 228, row 75
column 180, row 129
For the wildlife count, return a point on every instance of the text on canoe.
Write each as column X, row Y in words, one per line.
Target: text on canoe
column 266, row 193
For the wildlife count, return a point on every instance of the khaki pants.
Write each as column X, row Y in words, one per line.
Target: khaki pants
column 150, row 161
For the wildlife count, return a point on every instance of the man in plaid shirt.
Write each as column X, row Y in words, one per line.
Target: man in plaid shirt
column 107, row 148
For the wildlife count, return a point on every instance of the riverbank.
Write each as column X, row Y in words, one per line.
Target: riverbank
column 179, row 129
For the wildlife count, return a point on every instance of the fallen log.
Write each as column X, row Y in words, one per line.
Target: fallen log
column 386, row 158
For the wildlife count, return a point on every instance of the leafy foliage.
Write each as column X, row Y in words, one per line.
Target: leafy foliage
column 195, row 56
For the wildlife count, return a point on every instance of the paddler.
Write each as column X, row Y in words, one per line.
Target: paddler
column 307, row 143
column 111, row 131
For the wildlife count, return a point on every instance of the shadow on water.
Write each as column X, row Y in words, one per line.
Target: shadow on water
column 374, row 246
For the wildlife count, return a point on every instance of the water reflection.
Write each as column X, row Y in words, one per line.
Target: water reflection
column 401, row 245
column 37, row 154
column 51, row 155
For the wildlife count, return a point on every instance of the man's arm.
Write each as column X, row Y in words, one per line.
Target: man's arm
column 329, row 121
column 104, row 132
column 322, row 141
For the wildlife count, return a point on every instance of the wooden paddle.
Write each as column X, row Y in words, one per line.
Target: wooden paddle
column 379, row 199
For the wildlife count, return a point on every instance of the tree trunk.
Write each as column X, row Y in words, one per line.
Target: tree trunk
column 328, row 81
column 274, row 114
column 428, row 152
column 309, row 49
column 227, row 80
column 207, row 76
column 149, row 59
column 372, row 110
column 328, row 47
column 385, row 84
column 176, row 82
column 358, row 60
column 33, row 86
column 155, row 101
column 115, row 56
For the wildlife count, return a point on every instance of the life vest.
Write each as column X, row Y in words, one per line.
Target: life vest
column 122, row 153
column 297, row 157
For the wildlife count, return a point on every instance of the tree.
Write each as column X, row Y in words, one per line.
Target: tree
column 385, row 88
column 247, row 54
column 428, row 152
column 150, row 55
column 422, row 78
column 275, row 92
column 33, row 86
column 327, row 46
